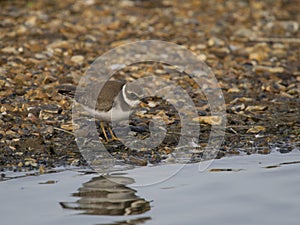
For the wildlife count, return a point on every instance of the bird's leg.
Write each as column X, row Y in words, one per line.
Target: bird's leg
column 103, row 131
column 113, row 137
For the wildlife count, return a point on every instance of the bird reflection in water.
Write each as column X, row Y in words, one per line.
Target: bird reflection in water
column 108, row 195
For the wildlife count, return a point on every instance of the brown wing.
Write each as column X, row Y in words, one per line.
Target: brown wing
column 108, row 94
column 105, row 99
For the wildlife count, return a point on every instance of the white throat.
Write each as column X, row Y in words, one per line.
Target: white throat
column 130, row 102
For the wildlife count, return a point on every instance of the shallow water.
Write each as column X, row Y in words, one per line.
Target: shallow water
column 256, row 189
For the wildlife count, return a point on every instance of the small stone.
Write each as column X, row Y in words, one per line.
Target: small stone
column 214, row 41
column 152, row 104
column 77, row 59
column 286, row 95
column 170, row 159
column 11, row 50
column 68, row 126
column 202, row 57
column 2, row 176
column 238, row 108
column 256, row 129
column 264, row 151
column 244, row 33
column 233, row 90
column 51, row 108
column 137, row 161
column 19, row 153
column 40, row 56
column 256, row 108
column 212, row 120
column 258, row 56
column 31, row 21
column 49, row 182
column 42, row 169
column 75, row 162
column 268, row 69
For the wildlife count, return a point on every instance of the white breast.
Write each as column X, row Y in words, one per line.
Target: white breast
column 107, row 116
